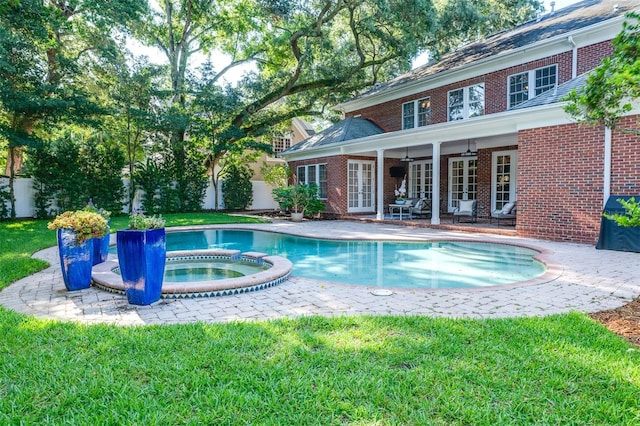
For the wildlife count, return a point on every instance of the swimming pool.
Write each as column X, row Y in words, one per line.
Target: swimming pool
column 393, row 264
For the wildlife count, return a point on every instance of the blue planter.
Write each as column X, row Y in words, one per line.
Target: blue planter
column 76, row 260
column 101, row 248
column 142, row 256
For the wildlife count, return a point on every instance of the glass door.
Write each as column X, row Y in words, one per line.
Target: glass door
column 463, row 180
column 361, row 186
column 503, row 177
column 421, row 179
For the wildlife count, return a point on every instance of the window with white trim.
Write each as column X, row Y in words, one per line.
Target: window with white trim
column 314, row 173
column 416, row 113
column 280, row 143
column 466, row 102
column 520, row 90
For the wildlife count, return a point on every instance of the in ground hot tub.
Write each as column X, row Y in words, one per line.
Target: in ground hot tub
column 206, row 273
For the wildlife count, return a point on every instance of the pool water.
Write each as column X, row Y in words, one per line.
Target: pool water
column 450, row 264
column 201, row 270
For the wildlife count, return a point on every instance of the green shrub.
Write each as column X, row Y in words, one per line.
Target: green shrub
column 237, row 190
column 154, row 178
column 4, row 201
column 299, row 198
column 70, row 171
column 631, row 216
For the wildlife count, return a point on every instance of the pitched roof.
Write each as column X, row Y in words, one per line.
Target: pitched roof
column 347, row 129
column 570, row 18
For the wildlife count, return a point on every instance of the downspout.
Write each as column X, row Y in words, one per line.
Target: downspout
column 380, row 185
column 606, row 185
column 574, row 58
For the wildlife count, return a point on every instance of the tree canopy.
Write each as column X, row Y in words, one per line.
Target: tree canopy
column 65, row 61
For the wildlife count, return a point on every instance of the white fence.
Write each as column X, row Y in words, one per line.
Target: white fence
column 25, row 205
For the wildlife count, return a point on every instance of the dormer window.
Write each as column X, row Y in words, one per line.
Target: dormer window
column 416, row 113
column 542, row 79
column 466, row 102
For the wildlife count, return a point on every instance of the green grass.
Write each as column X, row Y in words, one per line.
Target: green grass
column 563, row 369
column 361, row 370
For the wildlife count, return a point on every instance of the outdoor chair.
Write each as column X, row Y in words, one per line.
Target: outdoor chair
column 468, row 208
column 508, row 212
column 422, row 208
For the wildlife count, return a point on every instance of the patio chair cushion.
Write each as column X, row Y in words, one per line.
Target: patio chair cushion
column 466, row 205
column 506, row 209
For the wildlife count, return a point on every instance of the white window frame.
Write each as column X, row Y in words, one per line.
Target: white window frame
column 532, row 81
column 417, row 113
column 304, row 177
column 466, row 102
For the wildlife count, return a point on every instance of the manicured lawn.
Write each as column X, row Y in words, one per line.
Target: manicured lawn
column 563, row 369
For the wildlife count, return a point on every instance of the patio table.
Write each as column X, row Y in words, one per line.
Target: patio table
column 398, row 209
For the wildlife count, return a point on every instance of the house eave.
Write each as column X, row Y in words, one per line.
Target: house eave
column 505, row 123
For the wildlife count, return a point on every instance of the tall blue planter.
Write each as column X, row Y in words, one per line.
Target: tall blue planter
column 76, row 260
column 101, row 248
column 142, row 256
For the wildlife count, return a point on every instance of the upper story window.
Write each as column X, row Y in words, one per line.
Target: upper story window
column 416, row 113
column 466, row 102
column 314, row 173
column 280, row 143
column 542, row 79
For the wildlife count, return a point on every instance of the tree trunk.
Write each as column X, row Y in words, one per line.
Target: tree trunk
column 14, row 160
column 14, row 166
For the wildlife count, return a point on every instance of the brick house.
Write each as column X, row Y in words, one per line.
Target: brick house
column 486, row 122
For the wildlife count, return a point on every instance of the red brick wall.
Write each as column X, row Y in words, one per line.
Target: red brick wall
column 560, row 193
column 560, row 182
column 590, row 57
column 388, row 115
column 625, row 159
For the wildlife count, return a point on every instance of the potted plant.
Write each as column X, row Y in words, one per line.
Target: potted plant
column 76, row 231
column 142, row 256
column 299, row 199
column 100, row 245
column 401, row 192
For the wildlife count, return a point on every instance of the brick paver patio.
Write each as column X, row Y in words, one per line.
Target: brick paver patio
column 581, row 278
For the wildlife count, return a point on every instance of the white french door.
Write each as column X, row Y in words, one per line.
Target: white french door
column 503, row 178
column 361, row 186
column 463, row 180
column 421, row 179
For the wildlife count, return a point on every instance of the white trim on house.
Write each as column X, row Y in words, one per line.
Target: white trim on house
column 502, row 123
column 586, row 36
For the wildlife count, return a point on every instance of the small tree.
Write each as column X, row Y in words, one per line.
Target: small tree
column 613, row 86
column 276, row 174
column 237, row 190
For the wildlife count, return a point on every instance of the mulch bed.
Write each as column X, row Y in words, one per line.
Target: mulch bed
column 624, row 321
